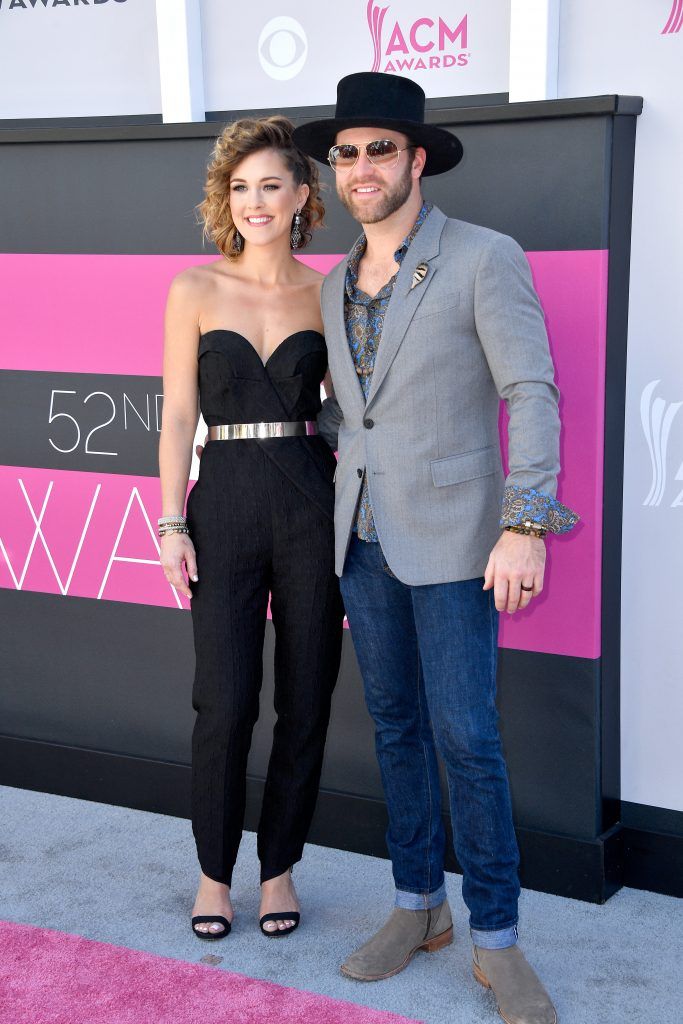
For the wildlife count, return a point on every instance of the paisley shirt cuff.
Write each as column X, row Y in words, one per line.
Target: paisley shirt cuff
column 521, row 504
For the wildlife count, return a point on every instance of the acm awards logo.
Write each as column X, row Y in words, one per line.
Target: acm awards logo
column 422, row 45
column 675, row 20
column 27, row 4
column 657, row 417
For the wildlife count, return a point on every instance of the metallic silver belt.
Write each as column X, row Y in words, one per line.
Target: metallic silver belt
column 245, row 431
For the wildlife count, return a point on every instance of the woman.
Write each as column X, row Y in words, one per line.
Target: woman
column 244, row 336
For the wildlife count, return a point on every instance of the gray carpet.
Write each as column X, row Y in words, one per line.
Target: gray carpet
column 128, row 877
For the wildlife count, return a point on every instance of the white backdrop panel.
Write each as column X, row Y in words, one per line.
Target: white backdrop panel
column 274, row 53
column 621, row 46
column 71, row 60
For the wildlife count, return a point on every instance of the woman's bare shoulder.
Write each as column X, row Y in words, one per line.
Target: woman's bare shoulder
column 194, row 280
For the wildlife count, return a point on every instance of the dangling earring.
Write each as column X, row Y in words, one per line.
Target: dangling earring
column 296, row 236
column 237, row 242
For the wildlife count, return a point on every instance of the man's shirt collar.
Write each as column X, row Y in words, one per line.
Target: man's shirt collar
column 358, row 250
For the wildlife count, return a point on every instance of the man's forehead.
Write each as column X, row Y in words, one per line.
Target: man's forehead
column 359, row 136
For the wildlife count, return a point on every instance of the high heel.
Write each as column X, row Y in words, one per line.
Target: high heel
column 287, row 915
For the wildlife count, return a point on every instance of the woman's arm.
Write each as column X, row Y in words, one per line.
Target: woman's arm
column 179, row 421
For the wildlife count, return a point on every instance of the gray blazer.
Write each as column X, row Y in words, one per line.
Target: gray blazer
column 472, row 332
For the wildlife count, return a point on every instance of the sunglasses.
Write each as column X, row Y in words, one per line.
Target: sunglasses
column 381, row 153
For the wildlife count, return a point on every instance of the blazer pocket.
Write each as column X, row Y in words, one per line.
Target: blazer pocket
column 456, row 469
column 432, row 306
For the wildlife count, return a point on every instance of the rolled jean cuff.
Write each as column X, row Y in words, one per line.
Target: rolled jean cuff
column 420, row 900
column 501, row 938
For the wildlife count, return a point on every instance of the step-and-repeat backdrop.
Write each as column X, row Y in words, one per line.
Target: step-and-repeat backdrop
column 100, row 644
column 72, row 58
column 632, row 47
column 69, row 58
column 295, row 53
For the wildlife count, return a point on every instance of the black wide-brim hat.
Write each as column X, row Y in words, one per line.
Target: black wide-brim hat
column 372, row 99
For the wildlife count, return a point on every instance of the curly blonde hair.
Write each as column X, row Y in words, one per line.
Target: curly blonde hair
column 241, row 139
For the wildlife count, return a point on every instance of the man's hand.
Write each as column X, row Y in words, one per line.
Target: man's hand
column 199, row 448
column 516, row 560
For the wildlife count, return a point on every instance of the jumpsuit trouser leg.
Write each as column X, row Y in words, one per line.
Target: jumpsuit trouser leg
column 229, row 608
column 307, row 614
column 275, row 539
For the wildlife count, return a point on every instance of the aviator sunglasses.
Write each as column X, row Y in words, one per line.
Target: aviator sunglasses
column 381, row 153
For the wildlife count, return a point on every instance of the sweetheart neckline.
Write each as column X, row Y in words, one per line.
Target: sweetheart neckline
column 228, row 330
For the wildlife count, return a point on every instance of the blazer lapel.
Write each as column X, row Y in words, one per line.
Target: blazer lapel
column 405, row 299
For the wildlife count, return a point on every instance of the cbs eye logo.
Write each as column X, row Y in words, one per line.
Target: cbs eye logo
column 282, row 48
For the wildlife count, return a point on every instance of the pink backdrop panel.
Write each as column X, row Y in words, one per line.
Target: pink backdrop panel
column 565, row 619
column 82, row 534
column 90, row 313
column 127, row 338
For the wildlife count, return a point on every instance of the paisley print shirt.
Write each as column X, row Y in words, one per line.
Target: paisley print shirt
column 364, row 317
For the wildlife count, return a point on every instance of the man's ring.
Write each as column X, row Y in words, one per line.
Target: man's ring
column 528, row 589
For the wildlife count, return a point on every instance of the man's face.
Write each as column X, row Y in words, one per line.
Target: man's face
column 371, row 193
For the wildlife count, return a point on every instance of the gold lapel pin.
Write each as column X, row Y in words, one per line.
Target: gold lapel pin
column 419, row 275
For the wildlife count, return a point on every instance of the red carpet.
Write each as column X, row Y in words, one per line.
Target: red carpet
column 49, row 977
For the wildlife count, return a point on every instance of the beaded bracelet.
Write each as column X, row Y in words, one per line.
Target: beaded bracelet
column 528, row 528
column 164, row 531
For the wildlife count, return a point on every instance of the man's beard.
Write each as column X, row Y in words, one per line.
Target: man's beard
column 392, row 200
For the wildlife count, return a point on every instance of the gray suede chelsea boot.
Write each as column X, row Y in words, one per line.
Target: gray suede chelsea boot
column 396, row 943
column 520, row 995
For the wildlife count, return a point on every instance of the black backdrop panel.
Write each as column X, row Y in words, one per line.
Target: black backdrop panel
column 139, row 195
column 135, row 701
column 133, row 433
column 96, row 695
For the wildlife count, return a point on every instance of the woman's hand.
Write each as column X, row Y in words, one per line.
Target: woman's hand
column 177, row 550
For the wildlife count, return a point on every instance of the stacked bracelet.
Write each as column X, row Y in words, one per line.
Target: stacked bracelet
column 528, row 528
column 172, row 524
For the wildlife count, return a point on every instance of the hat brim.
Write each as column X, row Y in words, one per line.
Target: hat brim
column 444, row 151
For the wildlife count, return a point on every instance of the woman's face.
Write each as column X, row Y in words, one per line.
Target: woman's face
column 264, row 198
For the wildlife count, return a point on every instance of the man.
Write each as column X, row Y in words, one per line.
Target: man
column 429, row 323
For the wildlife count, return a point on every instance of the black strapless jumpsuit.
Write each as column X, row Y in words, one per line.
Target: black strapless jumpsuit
column 261, row 520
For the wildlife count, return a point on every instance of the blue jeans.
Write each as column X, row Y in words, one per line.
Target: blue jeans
column 428, row 656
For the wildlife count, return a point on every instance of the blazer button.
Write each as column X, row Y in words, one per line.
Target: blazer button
column 368, row 424
column 360, row 472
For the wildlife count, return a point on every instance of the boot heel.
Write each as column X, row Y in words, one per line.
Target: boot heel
column 439, row 941
column 480, row 976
